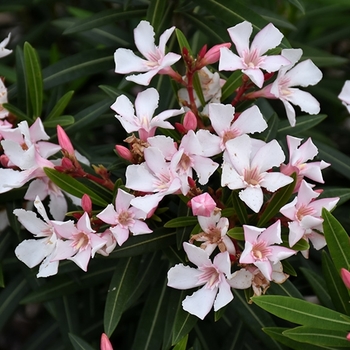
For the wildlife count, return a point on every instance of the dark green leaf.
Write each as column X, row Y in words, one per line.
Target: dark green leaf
column 181, row 222
column 286, row 288
column 299, row 5
column 17, row 112
column 2, row 282
column 73, row 186
column 155, row 13
column 301, row 312
column 318, row 285
column 335, row 285
column 231, row 85
column 340, row 162
column 182, row 41
column 181, row 345
column 143, row 244
column 236, row 233
column 342, row 193
column 15, row 290
column 60, row 106
column 316, row 336
column 277, row 333
column 34, row 79
column 198, row 88
column 63, row 120
column 270, row 133
column 240, row 208
column 78, row 343
column 79, row 65
column 337, row 241
column 303, row 123
column 122, row 284
column 102, row 18
column 278, row 200
column 150, row 328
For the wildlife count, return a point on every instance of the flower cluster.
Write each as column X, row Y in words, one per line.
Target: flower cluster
column 215, row 160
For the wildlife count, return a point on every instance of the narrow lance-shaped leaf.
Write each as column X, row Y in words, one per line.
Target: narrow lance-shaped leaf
column 316, row 336
column 302, row 312
column 60, row 105
column 78, row 343
column 198, row 88
column 122, row 284
column 335, row 285
column 231, row 85
column 63, row 120
column 155, row 13
column 303, row 123
column 34, row 79
column 337, row 241
column 182, row 41
column 73, row 186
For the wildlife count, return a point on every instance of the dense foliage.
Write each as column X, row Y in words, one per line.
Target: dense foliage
column 62, row 71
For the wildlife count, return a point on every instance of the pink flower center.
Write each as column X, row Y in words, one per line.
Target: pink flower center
column 229, row 135
column 252, row 59
column 185, row 163
column 261, row 251
column 283, row 86
column 163, row 182
column 125, row 219
column 81, row 241
column 154, row 58
column 252, row 177
column 304, row 210
column 210, row 276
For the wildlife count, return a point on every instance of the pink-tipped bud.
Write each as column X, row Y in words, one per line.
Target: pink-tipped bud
column 124, row 153
column 191, row 182
column 348, row 337
column 4, row 160
column 213, row 55
column 203, row 204
column 64, row 140
column 202, row 51
column 190, row 121
column 105, row 343
column 86, row 203
column 180, row 128
column 345, row 275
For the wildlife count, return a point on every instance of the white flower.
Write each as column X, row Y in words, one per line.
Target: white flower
column 3, row 51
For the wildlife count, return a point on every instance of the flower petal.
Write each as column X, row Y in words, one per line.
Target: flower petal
column 182, row 277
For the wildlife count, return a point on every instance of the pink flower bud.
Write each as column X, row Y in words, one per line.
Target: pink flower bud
column 345, row 275
column 348, row 337
column 67, row 164
column 105, row 343
column 64, row 140
column 203, row 205
column 213, row 54
column 190, row 121
column 86, row 203
column 124, row 153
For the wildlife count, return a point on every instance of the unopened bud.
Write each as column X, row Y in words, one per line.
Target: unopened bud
column 203, row 205
column 345, row 275
column 86, row 203
column 105, row 343
column 190, row 121
column 64, row 140
column 212, row 55
column 124, row 153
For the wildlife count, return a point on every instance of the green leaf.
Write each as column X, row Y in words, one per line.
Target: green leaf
column 240, row 208
column 17, row 112
column 64, row 285
column 34, row 79
column 303, row 123
column 198, row 88
column 278, row 200
column 60, row 106
column 183, row 321
column 79, row 65
column 318, row 285
column 337, row 241
column 122, row 284
column 73, row 186
column 342, row 193
column 278, row 334
column 150, row 327
column 232, row 12
column 78, row 343
column 182, row 41
column 181, row 345
column 236, row 233
column 301, row 312
column 88, row 115
column 335, row 285
column 15, row 290
column 299, row 5
column 2, row 282
column 254, row 318
column 340, row 162
column 270, row 133
column 181, row 222
column 286, row 288
column 155, row 13
column 102, row 18
column 231, row 85
column 143, row 244
column 63, row 120
column 316, row 336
